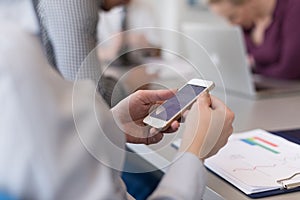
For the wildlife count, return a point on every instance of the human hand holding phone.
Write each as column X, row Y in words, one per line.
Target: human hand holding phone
column 130, row 112
column 172, row 109
column 208, row 126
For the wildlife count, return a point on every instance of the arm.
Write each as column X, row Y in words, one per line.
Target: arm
column 288, row 63
column 185, row 179
column 53, row 149
column 71, row 27
column 187, row 168
column 208, row 126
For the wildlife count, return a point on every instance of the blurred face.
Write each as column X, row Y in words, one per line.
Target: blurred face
column 242, row 15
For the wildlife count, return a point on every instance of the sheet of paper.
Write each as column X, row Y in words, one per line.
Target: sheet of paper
column 253, row 161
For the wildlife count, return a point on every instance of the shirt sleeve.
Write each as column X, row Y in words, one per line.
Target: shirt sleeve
column 71, row 27
column 185, row 179
column 288, row 65
column 44, row 152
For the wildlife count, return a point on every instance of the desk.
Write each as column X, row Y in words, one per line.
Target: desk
column 270, row 114
column 249, row 114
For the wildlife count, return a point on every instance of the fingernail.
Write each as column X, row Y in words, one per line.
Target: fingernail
column 152, row 131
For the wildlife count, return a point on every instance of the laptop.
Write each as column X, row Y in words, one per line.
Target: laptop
column 219, row 55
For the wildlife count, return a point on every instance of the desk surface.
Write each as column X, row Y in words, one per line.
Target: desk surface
column 269, row 114
column 279, row 113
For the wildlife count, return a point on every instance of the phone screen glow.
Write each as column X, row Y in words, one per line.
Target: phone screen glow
column 173, row 105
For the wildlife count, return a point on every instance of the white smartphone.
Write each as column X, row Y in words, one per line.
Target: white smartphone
column 172, row 109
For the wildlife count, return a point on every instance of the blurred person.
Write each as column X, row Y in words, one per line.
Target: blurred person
column 141, row 15
column 109, row 33
column 127, row 34
column 69, row 34
column 51, row 146
column 271, row 33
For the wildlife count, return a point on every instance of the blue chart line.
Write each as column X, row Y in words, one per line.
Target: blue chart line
column 253, row 142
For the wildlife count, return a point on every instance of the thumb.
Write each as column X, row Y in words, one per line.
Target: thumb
column 152, row 96
column 204, row 99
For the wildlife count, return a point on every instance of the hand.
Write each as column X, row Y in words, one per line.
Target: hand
column 259, row 30
column 109, row 4
column 131, row 111
column 208, row 126
column 251, row 61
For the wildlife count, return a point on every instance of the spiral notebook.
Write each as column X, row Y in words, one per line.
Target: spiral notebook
column 259, row 163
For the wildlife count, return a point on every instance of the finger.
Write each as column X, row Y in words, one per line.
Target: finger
column 184, row 116
column 155, row 139
column 173, row 127
column 147, row 140
column 153, row 107
column 153, row 96
column 159, row 102
column 153, row 131
column 136, row 140
column 217, row 104
column 204, row 99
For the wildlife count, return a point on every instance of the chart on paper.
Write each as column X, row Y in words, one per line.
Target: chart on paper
column 256, row 159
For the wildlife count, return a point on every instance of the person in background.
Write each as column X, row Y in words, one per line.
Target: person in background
column 69, row 34
column 125, row 35
column 271, row 33
column 51, row 146
column 108, row 31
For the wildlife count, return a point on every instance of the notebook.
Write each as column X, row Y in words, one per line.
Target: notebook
column 258, row 163
column 225, row 62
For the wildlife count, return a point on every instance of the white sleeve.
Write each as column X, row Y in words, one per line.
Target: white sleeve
column 185, row 179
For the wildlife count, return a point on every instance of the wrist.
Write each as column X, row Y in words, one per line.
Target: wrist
column 252, row 62
column 193, row 148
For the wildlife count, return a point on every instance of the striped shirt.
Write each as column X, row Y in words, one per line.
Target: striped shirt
column 68, row 31
column 69, row 36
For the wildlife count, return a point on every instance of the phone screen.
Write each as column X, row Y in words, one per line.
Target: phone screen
column 173, row 105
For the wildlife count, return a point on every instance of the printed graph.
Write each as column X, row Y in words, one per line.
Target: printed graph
column 257, row 141
column 255, row 160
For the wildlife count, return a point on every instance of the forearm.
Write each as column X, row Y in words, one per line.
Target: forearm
column 185, row 179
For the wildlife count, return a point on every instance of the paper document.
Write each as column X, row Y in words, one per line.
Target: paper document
column 253, row 161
